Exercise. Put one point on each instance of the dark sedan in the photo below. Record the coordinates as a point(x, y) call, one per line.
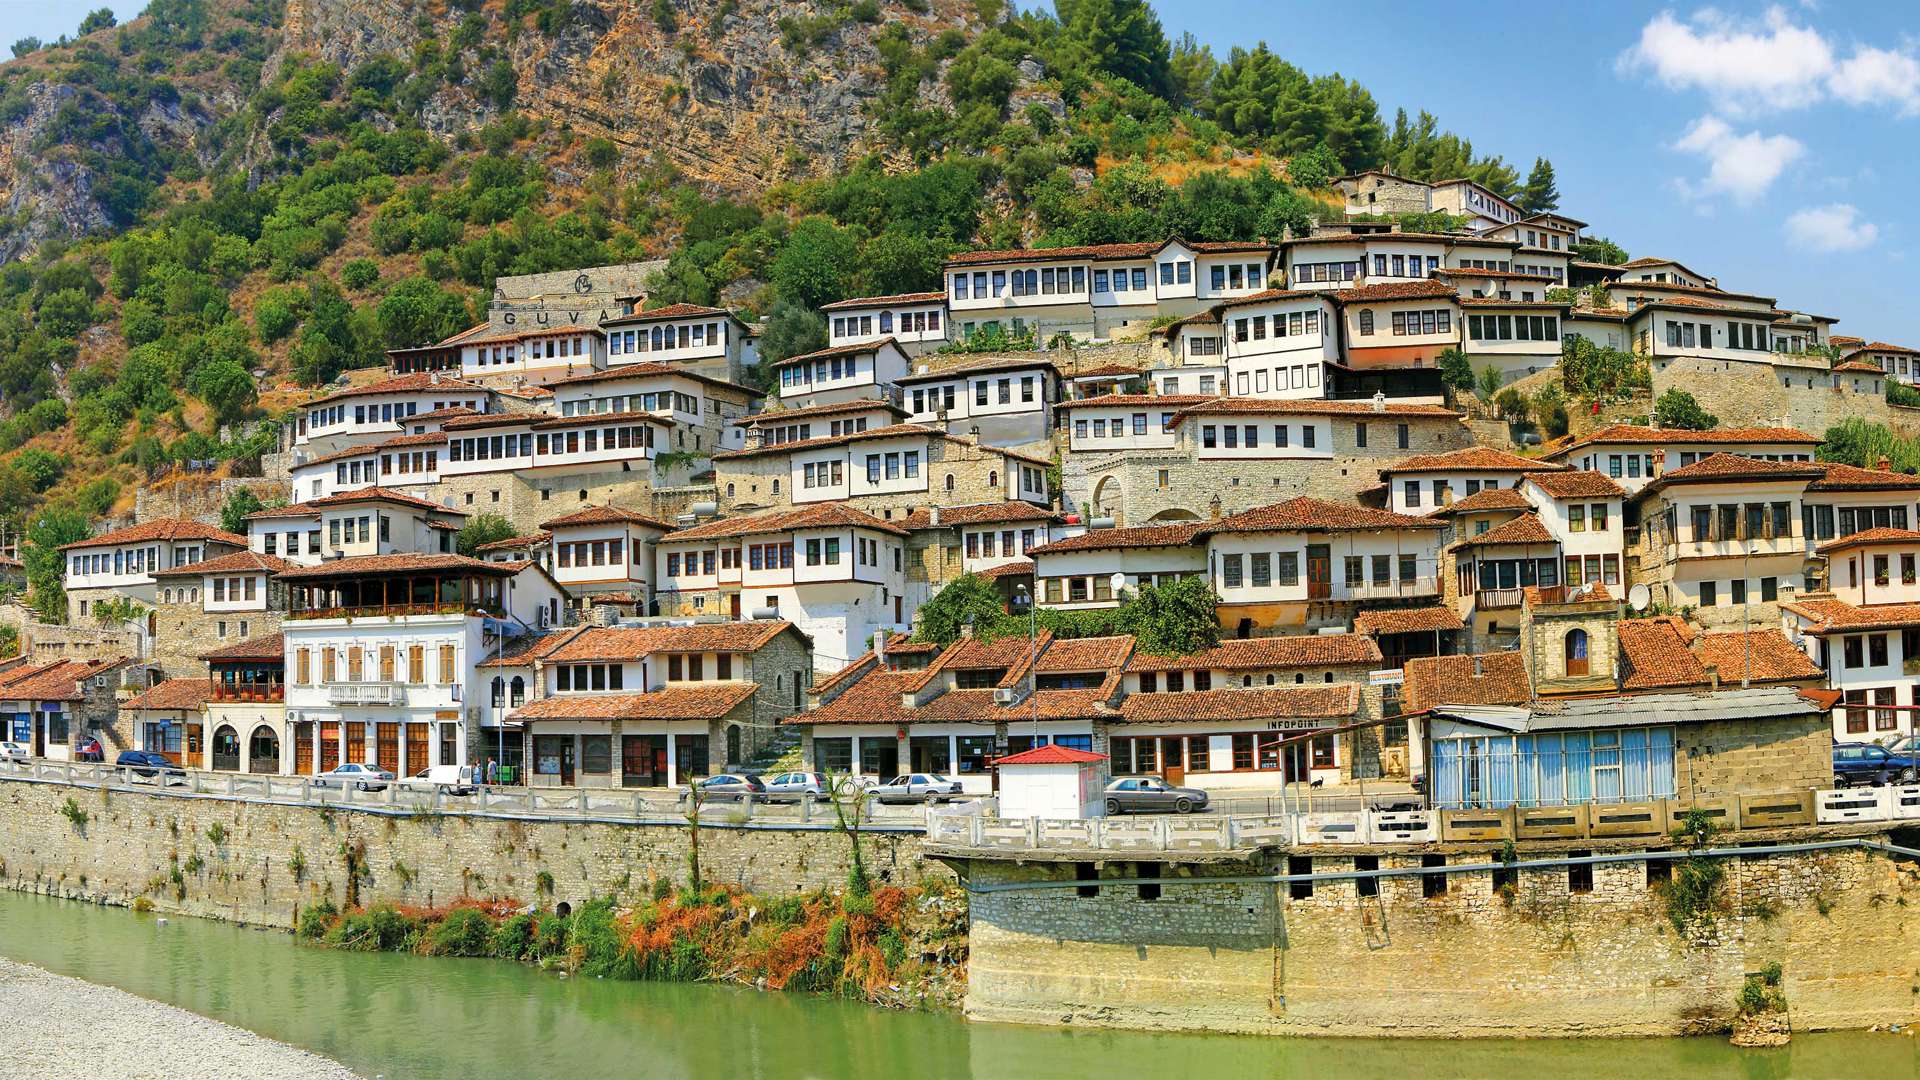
point(146, 765)
point(1147, 794)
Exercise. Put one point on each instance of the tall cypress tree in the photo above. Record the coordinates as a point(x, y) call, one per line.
point(1539, 194)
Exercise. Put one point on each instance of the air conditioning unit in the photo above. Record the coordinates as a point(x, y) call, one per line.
point(1005, 695)
point(543, 618)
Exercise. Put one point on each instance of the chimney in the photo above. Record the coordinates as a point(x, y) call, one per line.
point(933, 516)
point(1479, 667)
point(973, 435)
point(880, 647)
point(755, 436)
point(966, 630)
point(1713, 678)
point(1379, 401)
point(1885, 464)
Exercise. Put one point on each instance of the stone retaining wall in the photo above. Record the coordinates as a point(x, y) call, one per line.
point(270, 860)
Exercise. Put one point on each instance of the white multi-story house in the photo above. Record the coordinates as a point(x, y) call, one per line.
point(408, 462)
point(1866, 633)
point(1722, 536)
point(1337, 260)
point(537, 354)
point(1306, 561)
point(1087, 291)
point(1664, 271)
point(1278, 343)
point(1635, 455)
point(381, 655)
point(1428, 482)
point(1377, 191)
point(841, 373)
point(916, 322)
point(1197, 347)
point(708, 340)
point(891, 468)
point(1009, 401)
point(604, 550)
point(985, 537)
point(707, 412)
point(378, 411)
point(540, 443)
point(1897, 361)
point(836, 573)
point(1116, 422)
point(364, 521)
point(820, 421)
point(1483, 209)
point(1398, 325)
point(1560, 531)
point(121, 564)
point(1849, 500)
point(1517, 337)
point(1095, 568)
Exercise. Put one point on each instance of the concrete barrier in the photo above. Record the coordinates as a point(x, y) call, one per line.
point(1337, 828)
point(1839, 805)
point(1776, 811)
point(1402, 827)
point(1461, 825)
point(1551, 822)
point(1903, 802)
point(1629, 819)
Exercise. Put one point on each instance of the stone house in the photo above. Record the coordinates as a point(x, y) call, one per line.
point(216, 602)
point(120, 565)
point(52, 708)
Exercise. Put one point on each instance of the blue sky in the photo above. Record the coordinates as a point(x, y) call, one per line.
point(1772, 146)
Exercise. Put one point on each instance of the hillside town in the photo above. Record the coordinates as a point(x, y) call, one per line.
point(702, 578)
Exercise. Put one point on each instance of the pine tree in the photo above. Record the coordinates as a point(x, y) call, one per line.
point(1539, 195)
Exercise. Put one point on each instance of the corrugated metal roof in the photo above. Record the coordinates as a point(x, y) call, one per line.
point(1638, 710)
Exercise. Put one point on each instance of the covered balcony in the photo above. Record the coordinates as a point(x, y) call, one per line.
point(249, 682)
point(396, 585)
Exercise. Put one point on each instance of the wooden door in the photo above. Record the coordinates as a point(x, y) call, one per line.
point(418, 738)
point(357, 742)
point(387, 747)
point(733, 603)
point(303, 749)
point(329, 746)
point(1319, 572)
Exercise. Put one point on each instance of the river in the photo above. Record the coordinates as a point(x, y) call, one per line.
point(415, 1018)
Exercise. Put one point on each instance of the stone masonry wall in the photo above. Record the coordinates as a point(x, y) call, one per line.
point(517, 496)
point(1752, 394)
point(272, 860)
point(1727, 758)
point(1553, 954)
point(185, 631)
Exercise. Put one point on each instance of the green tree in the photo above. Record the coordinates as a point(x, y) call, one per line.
point(1455, 369)
point(418, 310)
point(1314, 168)
point(969, 597)
point(1487, 383)
point(98, 19)
point(1678, 409)
point(1599, 249)
point(1177, 618)
point(41, 468)
point(1119, 37)
point(790, 331)
point(1539, 194)
point(46, 564)
point(817, 263)
point(26, 45)
point(483, 529)
point(233, 513)
point(1190, 71)
point(227, 386)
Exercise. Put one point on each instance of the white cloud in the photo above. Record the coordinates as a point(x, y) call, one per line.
point(1835, 227)
point(1747, 67)
point(1742, 166)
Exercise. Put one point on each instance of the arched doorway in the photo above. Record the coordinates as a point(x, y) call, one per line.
point(1173, 514)
point(1107, 499)
point(226, 749)
point(263, 750)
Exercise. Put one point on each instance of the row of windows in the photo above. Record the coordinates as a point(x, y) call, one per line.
point(539, 348)
point(981, 545)
point(834, 367)
point(894, 465)
point(1403, 265)
point(1411, 323)
point(1504, 574)
point(1882, 571)
point(1513, 328)
point(1293, 377)
point(822, 474)
point(1818, 520)
point(1742, 521)
point(1443, 490)
point(1235, 436)
point(1326, 271)
point(237, 589)
point(137, 561)
point(1736, 593)
point(1236, 276)
point(1099, 427)
point(341, 530)
point(662, 338)
point(270, 542)
point(1078, 590)
point(388, 658)
point(592, 553)
point(1249, 752)
point(940, 397)
point(589, 440)
point(910, 322)
point(1285, 324)
point(657, 401)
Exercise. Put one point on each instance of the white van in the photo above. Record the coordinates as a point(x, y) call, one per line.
point(450, 779)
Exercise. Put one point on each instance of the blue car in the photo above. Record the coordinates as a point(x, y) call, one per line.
point(1871, 763)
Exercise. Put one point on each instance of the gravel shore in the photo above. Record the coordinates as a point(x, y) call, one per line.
point(61, 1028)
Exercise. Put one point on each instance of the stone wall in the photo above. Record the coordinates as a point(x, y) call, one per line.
point(200, 496)
point(1745, 756)
point(1555, 953)
point(526, 499)
point(271, 860)
point(186, 630)
point(1751, 394)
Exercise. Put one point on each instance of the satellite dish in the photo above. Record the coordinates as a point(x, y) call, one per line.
point(1586, 589)
point(1639, 597)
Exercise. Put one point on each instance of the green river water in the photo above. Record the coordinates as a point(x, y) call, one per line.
point(414, 1018)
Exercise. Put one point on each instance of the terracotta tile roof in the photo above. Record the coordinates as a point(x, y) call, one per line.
point(977, 367)
point(596, 419)
point(1869, 537)
point(379, 494)
point(888, 432)
point(186, 694)
point(1325, 702)
point(684, 701)
point(979, 514)
point(341, 455)
point(1525, 529)
point(1828, 614)
point(1846, 341)
point(1121, 401)
point(514, 543)
point(831, 351)
point(647, 370)
point(444, 413)
point(1505, 303)
point(403, 384)
point(1108, 371)
point(1406, 621)
point(1633, 433)
point(424, 438)
point(1138, 536)
point(1023, 568)
point(1305, 514)
point(291, 510)
point(1084, 251)
point(606, 515)
point(1634, 287)
point(1860, 366)
point(633, 643)
point(781, 416)
point(1577, 484)
point(881, 301)
point(1270, 296)
point(1484, 500)
point(264, 647)
point(1086, 654)
point(1657, 655)
point(161, 529)
point(822, 516)
point(1471, 459)
point(238, 561)
point(1504, 275)
point(1396, 290)
point(972, 654)
point(874, 698)
point(1841, 477)
point(1690, 303)
point(1592, 592)
point(1255, 654)
point(1498, 678)
point(1716, 468)
point(671, 311)
point(396, 564)
point(524, 652)
point(1882, 347)
point(977, 706)
point(1238, 406)
point(56, 681)
point(1052, 754)
point(1772, 656)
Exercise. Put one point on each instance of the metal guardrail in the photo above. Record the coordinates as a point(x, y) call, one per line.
point(404, 798)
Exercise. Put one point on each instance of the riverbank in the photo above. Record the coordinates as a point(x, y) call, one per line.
point(67, 1028)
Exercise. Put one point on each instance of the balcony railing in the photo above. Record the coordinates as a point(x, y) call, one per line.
point(1418, 585)
point(374, 610)
point(366, 693)
point(249, 694)
point(1491, 599)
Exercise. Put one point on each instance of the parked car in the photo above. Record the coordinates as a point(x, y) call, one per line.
point(89, 750)
point(732, 787)
point(450, 779)
point(1152, 795)
point(355, 774)
point(796, 786)
point(1871, 763)
point(917, 787)
point(15, 752)
point(147, 765)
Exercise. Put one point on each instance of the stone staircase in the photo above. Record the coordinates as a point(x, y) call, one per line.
point(778, 754)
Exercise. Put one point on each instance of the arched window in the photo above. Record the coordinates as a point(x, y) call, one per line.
point(1576, 652)
point(518, 691)
point(949, 481)
point(499, 691)
point(993, 478)
point(776, 485)
point(729, 491)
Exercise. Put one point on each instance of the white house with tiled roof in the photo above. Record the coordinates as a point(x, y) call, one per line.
point(838, 574)
point(1850, 499)
point(121, 564)
point(380, 410)
point(892, 468)
point(1634, 455)
point(982, 537)
point(1658, 270)
point(1424, 483)
point(707, 340)
point(915, 321)
point(1083, 571)
point(841, 373)
point(1116, 422)
point(1278, 343)
point(1869, 652)
point(1398, 324)
point(707, 412)
point(1723, 536)
point(800, 424)
point(1008, 400)
point(538, 354)
point(604, 549)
